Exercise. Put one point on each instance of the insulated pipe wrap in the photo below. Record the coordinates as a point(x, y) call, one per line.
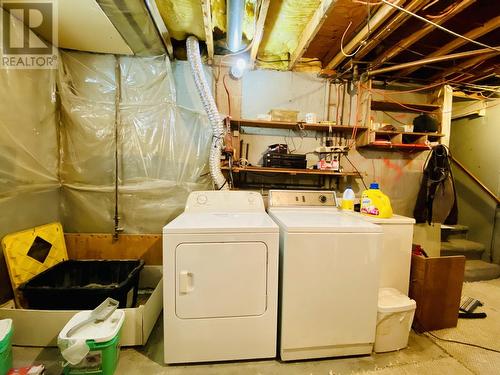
point(194, 58)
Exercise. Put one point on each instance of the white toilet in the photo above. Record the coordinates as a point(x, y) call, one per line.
point(394, 319)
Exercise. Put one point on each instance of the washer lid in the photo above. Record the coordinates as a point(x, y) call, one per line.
point(321, 220)
point(392, 300)
point(216, 222)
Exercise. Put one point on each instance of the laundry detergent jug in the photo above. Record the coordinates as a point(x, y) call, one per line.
point(375, 203)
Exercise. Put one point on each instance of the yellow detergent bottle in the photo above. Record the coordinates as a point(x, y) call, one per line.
point(375, 203)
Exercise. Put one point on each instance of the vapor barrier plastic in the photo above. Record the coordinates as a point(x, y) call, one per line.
point(163, 147)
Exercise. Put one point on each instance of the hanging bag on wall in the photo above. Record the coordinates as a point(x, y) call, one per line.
point(437, 200)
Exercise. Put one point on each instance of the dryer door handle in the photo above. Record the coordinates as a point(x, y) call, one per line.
point(185, 282)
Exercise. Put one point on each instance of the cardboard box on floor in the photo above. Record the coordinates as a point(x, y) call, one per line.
point(41, 327)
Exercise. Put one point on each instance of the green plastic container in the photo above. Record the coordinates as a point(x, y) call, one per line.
point(103, 342)
point(5, 346)
point(102, 358)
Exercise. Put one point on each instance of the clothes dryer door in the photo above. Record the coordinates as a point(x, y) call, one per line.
point(220, 279)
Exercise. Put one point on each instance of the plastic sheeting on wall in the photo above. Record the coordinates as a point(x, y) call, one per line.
point(163, 147)
point(285, 22)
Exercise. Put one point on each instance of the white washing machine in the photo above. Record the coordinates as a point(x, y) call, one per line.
point(329, 270)
point(395, 258)
point(220, 260)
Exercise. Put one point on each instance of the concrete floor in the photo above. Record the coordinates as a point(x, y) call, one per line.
point(422, 356)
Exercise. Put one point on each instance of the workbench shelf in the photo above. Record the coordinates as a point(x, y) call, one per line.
point(290, 171)
point(389, 106)
point(296, 125)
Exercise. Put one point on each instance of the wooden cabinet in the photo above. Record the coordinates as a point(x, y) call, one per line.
point(436, 287)
point(380, 106)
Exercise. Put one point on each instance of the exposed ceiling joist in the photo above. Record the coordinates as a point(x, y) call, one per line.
point(207, 24)
point(463, 66)
point(378, 19)
point(398, 20)
point(311, 30)
point(489, 26)
point(259, 31)
point(160, 26)
point(484, 53)
point(413, 38)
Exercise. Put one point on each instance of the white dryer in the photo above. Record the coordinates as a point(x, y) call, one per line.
point(329, 270)
point(220, 260)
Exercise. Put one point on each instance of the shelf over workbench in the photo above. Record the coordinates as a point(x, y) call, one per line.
point(377, 105)
point(294, 125)
point(291, 171)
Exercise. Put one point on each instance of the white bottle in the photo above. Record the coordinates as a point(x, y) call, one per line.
point(348, 199)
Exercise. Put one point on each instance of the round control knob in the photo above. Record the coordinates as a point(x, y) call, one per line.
point(201, 199)
point(322, 199)
point(251, 199)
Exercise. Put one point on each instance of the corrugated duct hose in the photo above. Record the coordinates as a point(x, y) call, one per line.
point(194, 58)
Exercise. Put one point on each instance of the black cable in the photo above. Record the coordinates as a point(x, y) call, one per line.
point(356, 169)
point(462, 343)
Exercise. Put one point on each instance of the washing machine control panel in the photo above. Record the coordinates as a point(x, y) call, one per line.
point(224, 201)
point(290, 198)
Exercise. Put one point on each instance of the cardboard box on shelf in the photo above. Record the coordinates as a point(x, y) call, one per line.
point(41, 327)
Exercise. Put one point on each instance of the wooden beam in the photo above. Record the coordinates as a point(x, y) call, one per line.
point(311, 30)
point(259, 31)
point(207, 23)
point(415, 37)
point(160, 26)
point(489, 26)
point(389, 28)
point(380, 17)
point(464, 65)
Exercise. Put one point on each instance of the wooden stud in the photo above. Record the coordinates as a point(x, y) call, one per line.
point(489, 26)
point(207, 23)
point(311, 30)
point(415, 37)
point(259, 32)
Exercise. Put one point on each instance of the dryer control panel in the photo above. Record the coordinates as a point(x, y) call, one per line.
point(225, 201)
point(301, 198)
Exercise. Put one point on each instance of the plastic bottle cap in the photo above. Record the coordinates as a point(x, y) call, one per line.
point(374, 185)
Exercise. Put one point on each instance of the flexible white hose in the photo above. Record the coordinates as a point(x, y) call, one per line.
point(194, 58)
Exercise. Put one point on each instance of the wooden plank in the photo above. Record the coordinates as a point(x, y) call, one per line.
point(259, 31)
point(390, 27)
point(207, 24)
point(294, 125)
point(160, 26)
point(102, 246)
point(415, 37)
point(311, 30)
point(290, 171)
point(489, 26)
point(378, 19)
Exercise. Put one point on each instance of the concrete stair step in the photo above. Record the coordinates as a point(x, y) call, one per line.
point(477, 270)
point(461, 246)
point(453, 231)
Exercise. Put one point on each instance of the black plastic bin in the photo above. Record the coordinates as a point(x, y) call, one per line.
point(84, 284)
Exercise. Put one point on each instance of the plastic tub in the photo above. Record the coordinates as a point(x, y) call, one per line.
point(84, 284)
point(5, 346)
point(394, 319)
point(103, 344)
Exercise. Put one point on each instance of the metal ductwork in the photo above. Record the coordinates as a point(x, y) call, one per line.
point(235, 10)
